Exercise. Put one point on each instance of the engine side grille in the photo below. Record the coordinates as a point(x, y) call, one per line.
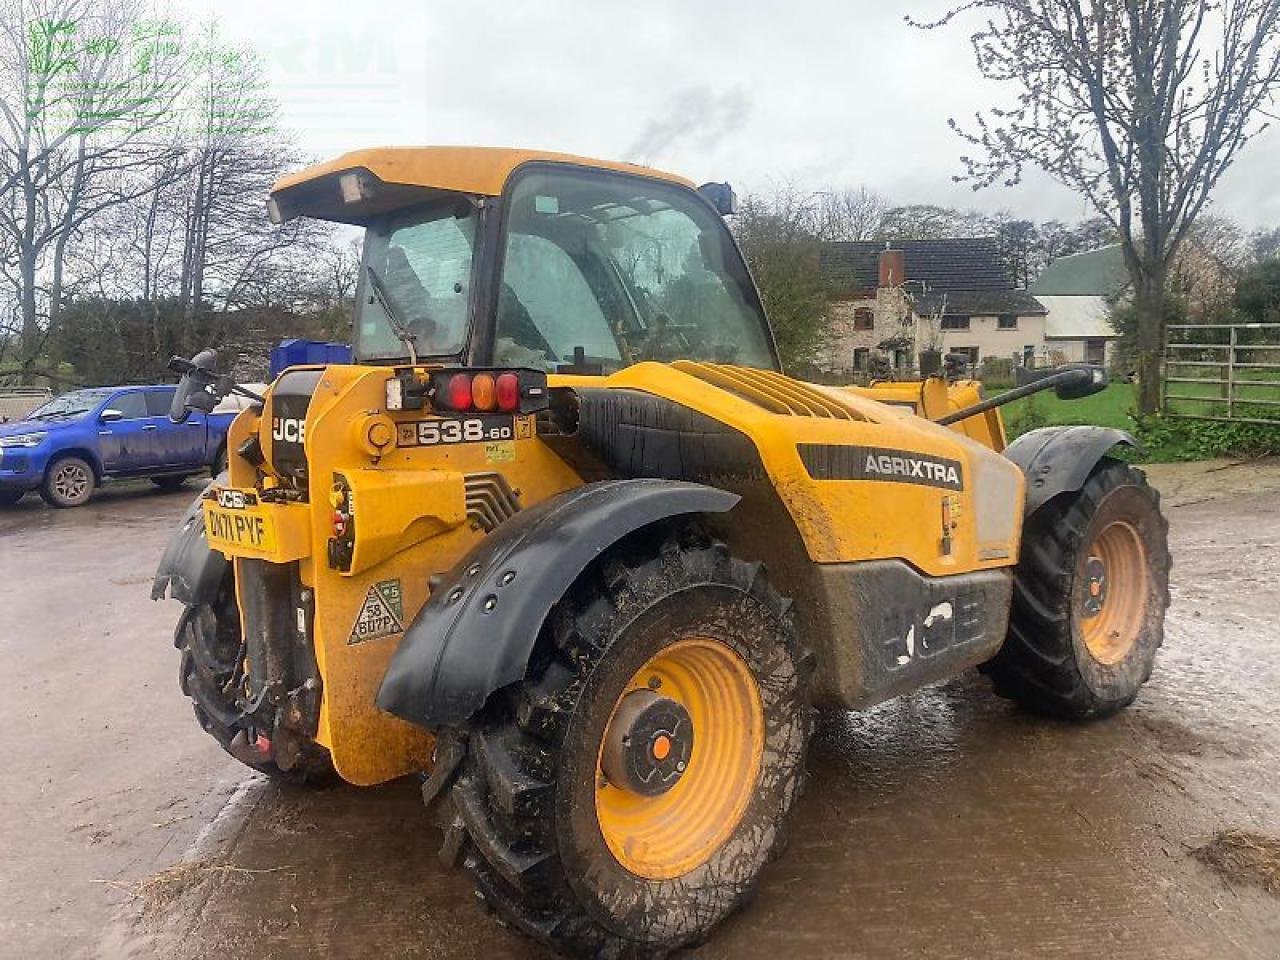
point(772, 391)
point(490, 499)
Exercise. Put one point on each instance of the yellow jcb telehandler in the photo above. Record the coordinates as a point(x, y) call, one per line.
point(519, 547)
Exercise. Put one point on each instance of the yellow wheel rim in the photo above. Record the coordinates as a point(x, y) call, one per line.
point(665, 836)
point(1114, 605)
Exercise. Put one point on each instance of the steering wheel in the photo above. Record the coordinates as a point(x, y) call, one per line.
point(667, 341)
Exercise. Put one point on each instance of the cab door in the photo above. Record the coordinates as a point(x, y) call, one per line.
point(124, 440)
point(176, 444)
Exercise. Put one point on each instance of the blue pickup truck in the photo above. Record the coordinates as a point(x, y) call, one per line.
point(68, 446)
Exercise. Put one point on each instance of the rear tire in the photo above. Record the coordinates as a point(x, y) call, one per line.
point(1090, 592)
point(68, 482)
point(170, 483)
point(209, 638)
point(557, 847)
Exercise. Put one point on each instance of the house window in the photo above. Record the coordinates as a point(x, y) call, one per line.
point(1007, 321)
point(863, 319)
point(1095, 350)
point(955, 323)
point(860, 357)
point(970, 352)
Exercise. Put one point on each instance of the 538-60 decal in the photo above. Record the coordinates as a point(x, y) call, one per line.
point(477, 429)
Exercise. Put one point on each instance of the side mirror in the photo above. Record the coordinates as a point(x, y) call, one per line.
point(721, 197)
point(1091, 379)
point(110, 416)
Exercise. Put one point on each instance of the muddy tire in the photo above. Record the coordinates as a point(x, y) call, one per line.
point(170, 483)
point(68, 482)
point(622, 800)
point(1090, 592)
point(209, 638)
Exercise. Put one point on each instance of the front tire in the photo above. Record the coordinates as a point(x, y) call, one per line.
point(1090, 592)
point(212, 646)
point(68, 482)
point(623, 799)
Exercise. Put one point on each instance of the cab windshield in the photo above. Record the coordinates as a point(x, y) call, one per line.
point(416, 281)
point(602, 271)
point(74, 404)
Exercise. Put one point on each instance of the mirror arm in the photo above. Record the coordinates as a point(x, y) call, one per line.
point(227, 385)
point(1017, 393)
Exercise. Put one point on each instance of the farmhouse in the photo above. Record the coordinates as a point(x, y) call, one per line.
point(894, 300)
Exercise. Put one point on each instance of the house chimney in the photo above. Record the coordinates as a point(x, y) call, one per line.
point(893, 267)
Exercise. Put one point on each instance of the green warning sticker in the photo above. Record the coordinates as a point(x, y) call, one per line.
point(381, 614)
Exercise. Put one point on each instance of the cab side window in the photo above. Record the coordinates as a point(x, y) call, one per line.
point(133, 406)
point(158, 402)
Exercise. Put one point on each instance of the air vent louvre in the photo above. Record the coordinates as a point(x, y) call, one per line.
point(490, 499)
point(770, 390)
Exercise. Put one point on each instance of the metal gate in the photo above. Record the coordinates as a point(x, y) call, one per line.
point(1226, 371)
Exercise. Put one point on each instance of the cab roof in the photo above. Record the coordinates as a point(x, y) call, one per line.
point(364, 183)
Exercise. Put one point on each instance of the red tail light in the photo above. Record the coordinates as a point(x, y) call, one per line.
point(485, 391)
point(508, 389)
point(458, 392)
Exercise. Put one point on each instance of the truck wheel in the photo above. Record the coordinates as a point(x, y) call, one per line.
point(170, 483)
point(212, 646)
point(219, 463)
point(623, 798)
point(68, 482)
point(1090, 592)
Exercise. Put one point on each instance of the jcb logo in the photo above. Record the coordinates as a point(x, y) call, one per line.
point(288, 429)
point(232, 499)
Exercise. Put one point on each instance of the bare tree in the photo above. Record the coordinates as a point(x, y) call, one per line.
point(928, 221)
point(1264, 244)
point(83, 83)
point(1139, 106)
point(849, 214)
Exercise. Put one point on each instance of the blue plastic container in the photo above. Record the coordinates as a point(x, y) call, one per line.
point(294, 352)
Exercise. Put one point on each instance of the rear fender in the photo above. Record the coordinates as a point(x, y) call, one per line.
point(189, 569)
point(476, 632)
point(1059, 459)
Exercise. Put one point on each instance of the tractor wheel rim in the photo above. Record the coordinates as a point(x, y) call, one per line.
point(70, 482)
point(1113, 607)
point(670, 834)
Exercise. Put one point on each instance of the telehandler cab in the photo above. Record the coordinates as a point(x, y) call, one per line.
point(518, 548)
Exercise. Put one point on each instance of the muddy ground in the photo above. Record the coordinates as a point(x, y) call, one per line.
point(945, 824)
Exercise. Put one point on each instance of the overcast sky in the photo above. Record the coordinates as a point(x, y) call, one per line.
point(825, 93)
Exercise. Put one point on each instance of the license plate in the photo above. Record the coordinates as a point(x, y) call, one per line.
point(237, 529)
point(445, 431)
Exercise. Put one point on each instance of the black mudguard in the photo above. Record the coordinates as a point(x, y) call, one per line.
point(1059, 459)
point(476, 632)
point(189, 570)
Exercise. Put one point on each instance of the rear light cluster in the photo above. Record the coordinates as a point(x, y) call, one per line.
point(484, 392)
point(474, 390)
point(489, 391)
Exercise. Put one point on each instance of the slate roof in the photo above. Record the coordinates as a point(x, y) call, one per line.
point(968, 271)
point(968, 303)
point(1098, 273)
